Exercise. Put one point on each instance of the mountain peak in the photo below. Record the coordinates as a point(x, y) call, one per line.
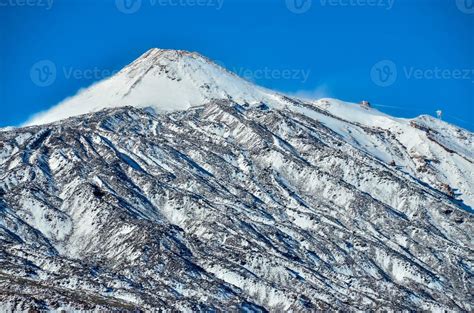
point(170, 54)
point(169, 58)
point(166, 80)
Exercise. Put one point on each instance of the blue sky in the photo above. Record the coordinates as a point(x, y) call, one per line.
point(410, 57)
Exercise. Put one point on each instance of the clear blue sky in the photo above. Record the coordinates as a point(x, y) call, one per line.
point(429, 43)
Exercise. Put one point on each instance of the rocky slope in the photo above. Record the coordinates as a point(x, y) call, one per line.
point(242, 204)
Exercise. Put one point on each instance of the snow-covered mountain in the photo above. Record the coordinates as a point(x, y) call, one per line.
point(166, 80)
point(172, 80)
point(208, 192)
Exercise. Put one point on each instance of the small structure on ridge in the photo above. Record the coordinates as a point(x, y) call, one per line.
point(365, 104)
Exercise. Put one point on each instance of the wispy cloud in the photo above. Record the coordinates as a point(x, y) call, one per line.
point(319, 92)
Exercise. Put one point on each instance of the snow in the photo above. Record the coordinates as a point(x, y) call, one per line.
point(166, 80)
point(349, 120)
point(300, 199)
point(258, 289)
point(174, 80)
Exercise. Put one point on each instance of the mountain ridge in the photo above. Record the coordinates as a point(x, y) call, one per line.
point(173, 80)
point(274, 204)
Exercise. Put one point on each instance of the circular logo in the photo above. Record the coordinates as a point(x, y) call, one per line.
point(384, 73)
point(465, 6)
point(298, 6)
point(43, 73)
point(128, 6)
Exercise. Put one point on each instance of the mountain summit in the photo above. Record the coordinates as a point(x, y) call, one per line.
point(166, 80)
point(229, 197)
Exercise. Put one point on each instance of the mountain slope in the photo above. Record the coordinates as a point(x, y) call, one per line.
point(248, 201)
point(431, 150)
point(437, 153)
point(222, 206)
